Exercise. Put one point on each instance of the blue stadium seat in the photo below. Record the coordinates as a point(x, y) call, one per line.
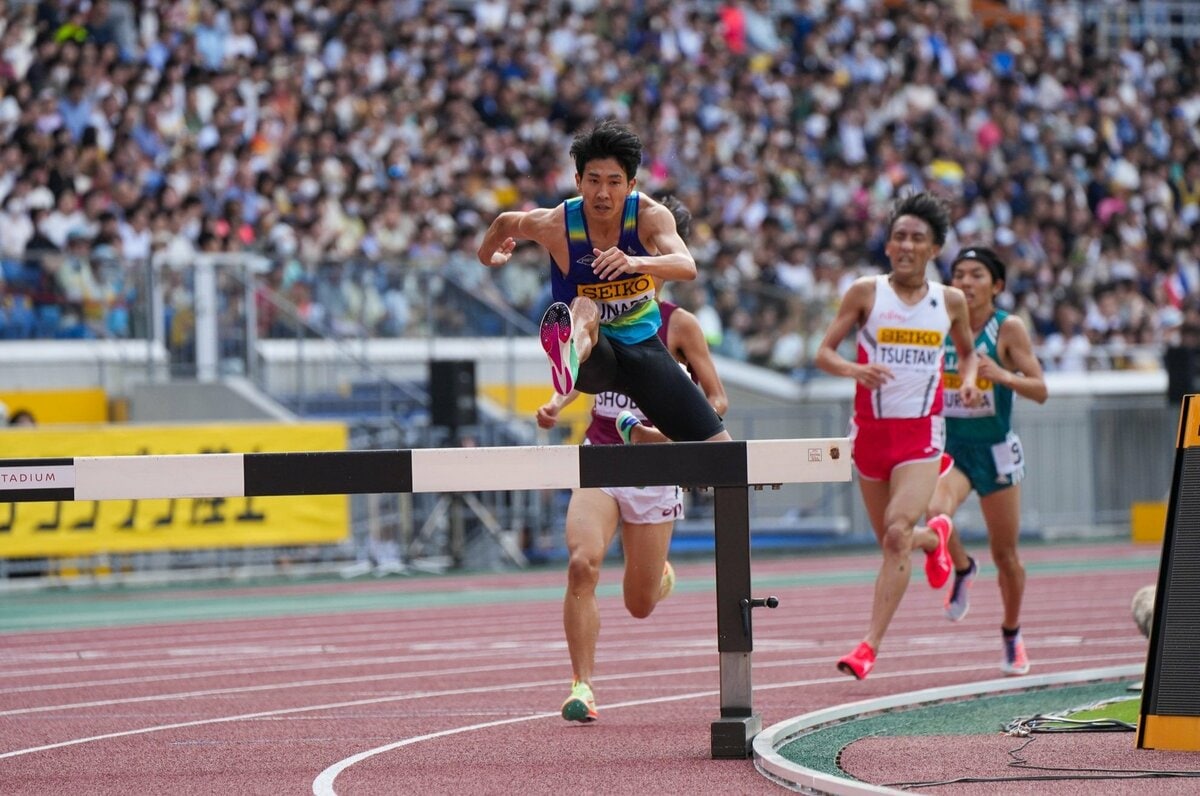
point(49, 317)
point(13, 270)
point(21, 319)
point(21, 277)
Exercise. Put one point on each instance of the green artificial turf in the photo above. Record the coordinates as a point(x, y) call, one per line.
point(819, 749)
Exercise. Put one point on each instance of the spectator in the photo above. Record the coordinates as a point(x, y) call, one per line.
point(22, 417)
point(789, 132)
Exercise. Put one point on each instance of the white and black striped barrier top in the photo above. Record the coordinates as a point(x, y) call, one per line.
point(686, 464)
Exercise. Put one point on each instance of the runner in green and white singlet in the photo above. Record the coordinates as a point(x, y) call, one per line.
point(987, 455)
point(980, 439)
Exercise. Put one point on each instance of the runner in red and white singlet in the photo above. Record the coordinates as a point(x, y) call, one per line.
point(902, 416)
point(897, 432)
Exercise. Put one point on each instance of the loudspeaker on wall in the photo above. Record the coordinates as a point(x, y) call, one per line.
point(452, 393)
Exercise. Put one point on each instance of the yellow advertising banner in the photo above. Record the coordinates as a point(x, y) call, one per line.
point(75, 528)
point(77, 405)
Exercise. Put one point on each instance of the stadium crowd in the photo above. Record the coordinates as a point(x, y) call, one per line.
point(362, 146)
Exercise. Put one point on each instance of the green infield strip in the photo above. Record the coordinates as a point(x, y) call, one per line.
point(981, 715)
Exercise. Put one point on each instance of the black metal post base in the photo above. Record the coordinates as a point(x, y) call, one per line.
point(733, 736)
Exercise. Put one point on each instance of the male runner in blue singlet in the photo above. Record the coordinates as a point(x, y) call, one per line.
point(610, 248)
point(645, 515)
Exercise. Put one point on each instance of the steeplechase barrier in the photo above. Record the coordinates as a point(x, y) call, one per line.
point(731, 469)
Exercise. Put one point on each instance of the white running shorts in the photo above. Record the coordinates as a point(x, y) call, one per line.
point(647, 505)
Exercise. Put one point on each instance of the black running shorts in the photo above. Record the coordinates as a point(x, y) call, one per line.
point(663, 390)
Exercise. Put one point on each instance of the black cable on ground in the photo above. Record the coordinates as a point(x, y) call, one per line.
point(1027, 725)
point(1067, 774)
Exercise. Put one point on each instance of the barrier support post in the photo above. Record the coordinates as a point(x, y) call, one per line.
point(733, 733)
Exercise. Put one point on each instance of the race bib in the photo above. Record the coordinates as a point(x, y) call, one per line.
point(1008, 455)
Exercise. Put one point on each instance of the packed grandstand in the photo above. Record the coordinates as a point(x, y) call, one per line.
point(360, 148)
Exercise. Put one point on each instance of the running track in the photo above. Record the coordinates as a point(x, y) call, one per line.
point(451, 684)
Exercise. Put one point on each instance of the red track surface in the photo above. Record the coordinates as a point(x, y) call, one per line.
point(464, 700)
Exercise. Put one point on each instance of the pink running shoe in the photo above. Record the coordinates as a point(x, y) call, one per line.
point(938, 564)
point(958, 598)
point(1016, 662)
point(559, 344)
point(858, 663)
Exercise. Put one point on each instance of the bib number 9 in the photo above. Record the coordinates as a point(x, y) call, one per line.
point(1008, 455)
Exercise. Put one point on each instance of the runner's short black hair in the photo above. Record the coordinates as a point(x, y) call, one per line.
point(984, 255)
point(927, 207)
point(608, 139)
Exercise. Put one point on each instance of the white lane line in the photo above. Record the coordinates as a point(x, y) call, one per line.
point(266, 714)
point(481, 689)
point(366, 678)
point(17, 647)
point(308, 666)
point(823, 597)
point(323, 784)
point(552, 637)
point(965, 645)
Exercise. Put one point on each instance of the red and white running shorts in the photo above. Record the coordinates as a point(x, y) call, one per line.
point(878, 446)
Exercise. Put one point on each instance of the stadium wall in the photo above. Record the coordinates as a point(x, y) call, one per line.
point(1102, 442)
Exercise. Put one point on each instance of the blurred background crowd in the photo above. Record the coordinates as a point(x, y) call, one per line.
point(362, 146)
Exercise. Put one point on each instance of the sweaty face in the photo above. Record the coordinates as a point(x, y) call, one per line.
point(604, 186)
point(910, 246)
point(975, 281)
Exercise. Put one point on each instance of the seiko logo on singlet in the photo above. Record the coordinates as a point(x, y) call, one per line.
point(921, 337)
point(625, 288)
point(952, 381)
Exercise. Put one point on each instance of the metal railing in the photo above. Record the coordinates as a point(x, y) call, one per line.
point(1080, 450)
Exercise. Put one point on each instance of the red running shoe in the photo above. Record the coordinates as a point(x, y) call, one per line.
point(938, 564)
point(858, 663)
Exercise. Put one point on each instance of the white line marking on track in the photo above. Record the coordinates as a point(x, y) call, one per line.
point(323, 784)
point(261, 715)
point(325, 779)
point(366, 678)
point(964, 645)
